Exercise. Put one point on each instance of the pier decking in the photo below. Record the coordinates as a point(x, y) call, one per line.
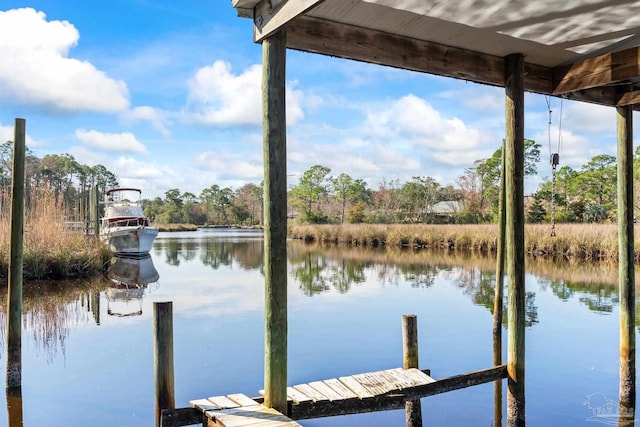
point(238, 410)
point(315, 399)
point(367, 392)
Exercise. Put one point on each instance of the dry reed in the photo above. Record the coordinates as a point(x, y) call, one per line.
point(587, 241)
point(51, 250)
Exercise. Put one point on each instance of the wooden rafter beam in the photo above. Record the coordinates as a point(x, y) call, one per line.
point(271, 15)
point(629, 98)
point(325, 37)
point(346, 41)
point(597, 72)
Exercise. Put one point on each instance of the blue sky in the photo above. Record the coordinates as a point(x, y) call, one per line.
point(166, 95)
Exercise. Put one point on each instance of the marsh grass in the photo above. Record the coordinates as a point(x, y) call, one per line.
point(51, 251)
point(586, 241)
point(176, 227)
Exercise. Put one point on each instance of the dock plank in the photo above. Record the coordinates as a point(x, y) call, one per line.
point(314, 394)
point(203, 405)
point(374, 382)
point(250, 416)
point(407, 378)
point(394, 382)
point(356, 387)
point(341, 389)
point(415, 375)
point(223, 402)
point(242, 399)
point(296, 396)
point(326, 390)
point(402, 381)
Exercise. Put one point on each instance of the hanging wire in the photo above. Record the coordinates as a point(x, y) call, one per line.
point(554, 160)
point(560, 127)
point(549, 122)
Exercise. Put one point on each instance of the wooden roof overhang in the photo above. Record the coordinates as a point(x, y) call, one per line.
point(586, 50)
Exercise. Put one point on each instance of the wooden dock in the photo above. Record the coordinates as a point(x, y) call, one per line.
point(359, 393)
point(367, 392)
point(238, 410)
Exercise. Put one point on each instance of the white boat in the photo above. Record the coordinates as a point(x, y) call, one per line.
point(124, 227)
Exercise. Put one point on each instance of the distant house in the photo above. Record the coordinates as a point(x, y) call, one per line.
point(447, 208)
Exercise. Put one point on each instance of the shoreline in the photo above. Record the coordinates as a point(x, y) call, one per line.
point(584, 241)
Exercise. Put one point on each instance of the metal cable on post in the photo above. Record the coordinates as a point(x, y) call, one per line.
point(554, 160)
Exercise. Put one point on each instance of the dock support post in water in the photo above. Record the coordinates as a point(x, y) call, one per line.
point(413, 408)
point(626, 272)
point(14, 308)
point(514, 162)
point(163, 357)
point(499, 294)
point(275, 220)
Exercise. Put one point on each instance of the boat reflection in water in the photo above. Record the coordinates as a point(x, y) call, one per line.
point(129, 276)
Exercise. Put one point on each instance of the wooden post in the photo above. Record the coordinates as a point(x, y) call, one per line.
point(497, 303)
point(514, 179)
point(409, 341)
point(14, 406)
point(95, 209)
point(163, 357)
point(275, 220)
point(626, 271)
point(82, 215)
point(413, 408)
point(92, 208)
point(14, 308)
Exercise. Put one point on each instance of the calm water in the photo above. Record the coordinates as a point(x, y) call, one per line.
point(88, 351)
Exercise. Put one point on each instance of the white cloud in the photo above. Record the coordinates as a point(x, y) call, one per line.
point(464, 159)
point(111, 141)
point(129, 168)
point(7, 133)
point(588, 118)
point(35, 68)
point(156, 117)
point(219, 97)
point(417, 122)
point(86, 156)
point(224, 165)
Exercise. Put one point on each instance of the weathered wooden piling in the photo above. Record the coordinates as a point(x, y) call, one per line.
point(626, 268)
point(14, 407)
point(94, 206)
point(409, 341)
point(163, 357)
point(275, 220)
point(514, 168)
point(497, 302)
point(413, 408)
point(14, 307)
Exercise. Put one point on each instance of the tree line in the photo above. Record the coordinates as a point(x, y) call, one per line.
point(587, 194)
point(69, 180)
point(584, 195)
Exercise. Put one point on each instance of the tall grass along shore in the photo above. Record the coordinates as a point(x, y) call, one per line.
point(51, 250)
point(587, 241)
